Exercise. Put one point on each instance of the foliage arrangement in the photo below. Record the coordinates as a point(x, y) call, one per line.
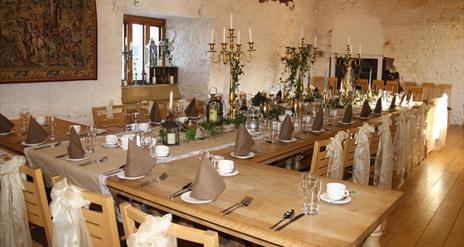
point(161, 134)
point(237, 70)
point(239, 119)
point(275, 111)
point(335, 103)
point(258, 99)
point(190, 134)
point(209, 130)
point(296, 63)
point(167, 48)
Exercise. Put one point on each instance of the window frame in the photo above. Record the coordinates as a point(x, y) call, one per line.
point(147, 22)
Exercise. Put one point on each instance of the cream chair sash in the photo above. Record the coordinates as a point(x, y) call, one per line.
point(109, 110)
point(362, 155)
point(69, 227)
point(412, 157)
point(335, 154)
point(421, 131)
point(14, 227)
point(400, 150)
point(384, 159)
point(153, 232)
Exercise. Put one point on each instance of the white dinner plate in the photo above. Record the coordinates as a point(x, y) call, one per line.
point(86, 156)
point(363, 118)
point(250, 155)
point(122, 175)
point(325, 198)
point(341, 122)
point(31, 144)
point(187, 198)
point(316, 131)
point(230, 174)
point(7, 133)
point(106, 145)
point(288, 141)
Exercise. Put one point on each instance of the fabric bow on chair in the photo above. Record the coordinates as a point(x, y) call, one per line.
point(362, 155)
point(14, 230)
point(400, 151)
point(69, 227)
point(153, 232)
point(335, 154)
point(384, 159)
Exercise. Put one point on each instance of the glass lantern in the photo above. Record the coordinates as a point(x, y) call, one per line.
point(214, 109)
point(171, 130)
point(252, 122)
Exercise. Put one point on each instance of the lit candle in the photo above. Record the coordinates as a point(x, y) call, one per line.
point(231, 21)
point(130, 46)
point(125, 41)
point(224, 35)
point(370, 79)
point(360, 49)
point(171, 96)
point(249, 34)
point(325, 80)
point(301, 33)
point(349, 40)
point(238, 37)
point(212, 35)
point(315, 41)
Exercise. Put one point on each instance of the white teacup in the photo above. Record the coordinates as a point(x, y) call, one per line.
point(144, 127)
point(123, 141)
point(282, 117)
point(225, 166)
point(111, 139)
point(215, 160)
point(76, 127)
point(40, 120)
point(336, 191)
point(161, 151)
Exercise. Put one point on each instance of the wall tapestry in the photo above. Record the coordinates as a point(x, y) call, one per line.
point(48, 40)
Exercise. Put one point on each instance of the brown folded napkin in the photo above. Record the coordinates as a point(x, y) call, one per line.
point(5, 124)
point(208, 184)
point(243, 141)
point(138, 162)
point(191, 110)
point(319, 121)
point(393, 103)
point(75, 150)
point(348, 114)
point(366, 109)
point(378, 106)
point(155, 115)
point(286, 130)
point(35, 133)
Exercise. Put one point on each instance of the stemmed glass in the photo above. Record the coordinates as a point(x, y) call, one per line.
point(311, 186)
point(24, 116)
point(51, 122)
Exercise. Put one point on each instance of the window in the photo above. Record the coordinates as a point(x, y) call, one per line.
point(137, 32)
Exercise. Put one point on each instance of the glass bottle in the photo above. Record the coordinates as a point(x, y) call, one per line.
point(214, 109)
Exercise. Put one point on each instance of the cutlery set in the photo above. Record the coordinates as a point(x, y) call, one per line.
point(157, 180)
point(289, 215)
point(52, 145)
point(244, 203)
point(185, 188)
point(101, 160)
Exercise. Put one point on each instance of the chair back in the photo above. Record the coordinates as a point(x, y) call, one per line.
point(406, 85)
point(349, 147)
point(392, 86)
point(417, 92)
point(318, 81)
point(429, 91)
point(38, 212)
point(100, 218)
point(364, 84)
point(332, 82)
point(377, 85)
point(374, 138)
point(100, 119)
point(320, 161)
point(144, 109)
point(131, 217)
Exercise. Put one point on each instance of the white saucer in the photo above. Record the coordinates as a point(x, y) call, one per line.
point(250, 155)
point(163, 157)
point(121, 175)
point(106, 145)
point(31, 144)
point(187, 198)
point(6, 133)
point(86, 156)
point(341, 122)
point(317, 131)
point(325, 198)
point(230, 174)
point(101, 131)
point(288, 141)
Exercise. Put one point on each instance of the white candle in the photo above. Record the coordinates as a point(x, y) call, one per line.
point(238, 37)
point(212, 35)
point(125, 41)
point(171, 96)
point(301, 33)
point(360, 49)
point(349, 40)
point(231, 21)
point(171, 138)
point(351, 48)
point(315, 41)
point(249, 34)
point(224, 35)
point(130, 46)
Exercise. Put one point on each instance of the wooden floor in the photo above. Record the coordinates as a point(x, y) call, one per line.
point(432, 213)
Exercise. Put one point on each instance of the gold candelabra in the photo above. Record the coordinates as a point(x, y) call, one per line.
point(348, 61)
point(231, 53)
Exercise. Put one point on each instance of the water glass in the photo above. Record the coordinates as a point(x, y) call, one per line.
point(51, 123)
point(146, 142)
point(275, 129)
point(311, 186)
point(24, 116)
point(89, 143)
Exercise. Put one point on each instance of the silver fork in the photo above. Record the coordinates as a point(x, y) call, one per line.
point(157, 180)
point(101, 160)
point(56, 144)
point(244, 203)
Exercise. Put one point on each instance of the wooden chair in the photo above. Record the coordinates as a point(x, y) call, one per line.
point(364, 84)
point(377, 85)
point(332, 82)
point(132, 216)
point(406, 85)
point(349, 147)
point(418, 93)
point(118, 120)
point(319, 161)
point(429, 91)
point(318, 81)
point(392, 86)
point(38, 212)
point(374, 139)
point(100, 218)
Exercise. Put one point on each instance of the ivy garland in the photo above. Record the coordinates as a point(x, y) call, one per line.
point(296, 66)
point(237, 70)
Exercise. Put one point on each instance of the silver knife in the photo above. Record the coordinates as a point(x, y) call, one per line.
point(289, 222)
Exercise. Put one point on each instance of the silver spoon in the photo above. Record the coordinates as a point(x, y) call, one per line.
point(287, 215)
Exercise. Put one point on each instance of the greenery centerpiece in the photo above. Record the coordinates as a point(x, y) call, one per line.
point(297, 64)
point(167, 47)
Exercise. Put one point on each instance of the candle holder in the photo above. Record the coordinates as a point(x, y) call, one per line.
point(127, 54)
point(348, 61)
point(232, 54)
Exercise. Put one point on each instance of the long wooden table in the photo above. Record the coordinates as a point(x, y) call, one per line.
point(274, 190)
